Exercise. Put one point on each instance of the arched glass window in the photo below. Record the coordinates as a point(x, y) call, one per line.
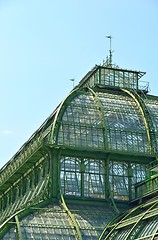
point(82, 177)
point(94, 179)
point(70, 176)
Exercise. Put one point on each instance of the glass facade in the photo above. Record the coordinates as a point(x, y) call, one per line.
point(123, 176)
point(83, 177)
point(87, 178)
point(87, 164)
point(82, 124)
point(118, 78)
point(114, 77)
point(109, 121)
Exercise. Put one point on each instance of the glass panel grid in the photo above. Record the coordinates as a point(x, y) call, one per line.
point(149, 227)
point(82, 177)
point(152, 106)
point(48, 223)
point(91, 219)
point(143, 221)
point(126, 130)
point(120, 188)
point(139, 172)
point(123, 176)
point(81, 124)
point(118, 78)
point(11, 234)
point(94, 179)
point(70, 177)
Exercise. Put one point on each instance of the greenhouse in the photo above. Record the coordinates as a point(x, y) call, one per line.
point(90, 170)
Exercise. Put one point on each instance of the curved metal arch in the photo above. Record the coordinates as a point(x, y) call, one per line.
point(138, 221)
point(86, 161)
point(145, 115)
point(73, 220)
point(31, 197)
point(154, 234)
point(76, 160)
point(28, 198)
point(61, 109)
point(59, 114)
point(100, 107)
point(25, 209)
point(102, 235)
point(98, 103)
point(118, 220)
point(2, 226)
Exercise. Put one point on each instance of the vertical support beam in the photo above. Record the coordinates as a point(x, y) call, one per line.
point(54, 172)
point(82, 170)
point(19, 234)
point(130, 181)
point(137, 82)
point(99, 80)
point(109, 196)
point(107, 183)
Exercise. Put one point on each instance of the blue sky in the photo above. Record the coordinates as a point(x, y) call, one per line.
point(45, 43)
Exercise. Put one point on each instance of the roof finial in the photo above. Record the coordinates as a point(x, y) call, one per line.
point(73, 82)
point(110, 51)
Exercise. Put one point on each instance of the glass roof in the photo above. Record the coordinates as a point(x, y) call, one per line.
point(104, 120)
point(85, 163)
point(53, 222)
point(139, 223)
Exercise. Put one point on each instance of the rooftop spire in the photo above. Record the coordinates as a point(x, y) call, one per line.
point(110, 51)
point(108, 62)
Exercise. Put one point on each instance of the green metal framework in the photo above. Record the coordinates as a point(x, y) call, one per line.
point(139, 223)
point(93, 157)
